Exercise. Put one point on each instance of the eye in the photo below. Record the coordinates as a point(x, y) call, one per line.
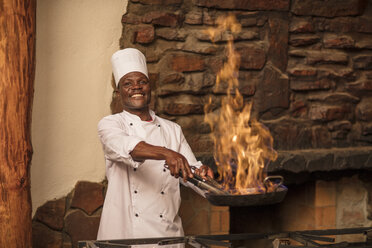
point(127, 84)
point(144, 82)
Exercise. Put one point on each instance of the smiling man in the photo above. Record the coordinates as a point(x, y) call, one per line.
point(143, 197)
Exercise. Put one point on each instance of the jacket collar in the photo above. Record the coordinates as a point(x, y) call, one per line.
point(136, 118)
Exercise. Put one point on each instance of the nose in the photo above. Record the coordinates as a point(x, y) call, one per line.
point(137, 85)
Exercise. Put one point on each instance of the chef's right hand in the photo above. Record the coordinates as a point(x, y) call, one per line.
point(176, 162)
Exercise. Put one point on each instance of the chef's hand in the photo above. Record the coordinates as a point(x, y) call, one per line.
point(204, 171)
point(177, 162)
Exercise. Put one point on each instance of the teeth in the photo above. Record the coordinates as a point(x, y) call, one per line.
point(136, 95)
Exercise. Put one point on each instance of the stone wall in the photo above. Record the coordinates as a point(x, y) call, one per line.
point(307, 66)
point(65, 221)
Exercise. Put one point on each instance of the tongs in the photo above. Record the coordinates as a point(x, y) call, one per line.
point(208, 184)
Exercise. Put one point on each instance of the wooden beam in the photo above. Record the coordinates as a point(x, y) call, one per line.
point(17, 69)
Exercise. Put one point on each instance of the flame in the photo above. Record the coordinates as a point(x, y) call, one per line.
point(242, 145)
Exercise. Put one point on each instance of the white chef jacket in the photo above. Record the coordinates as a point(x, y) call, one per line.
point(142, 198)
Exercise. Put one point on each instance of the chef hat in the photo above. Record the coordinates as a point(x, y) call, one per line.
point(126, 61)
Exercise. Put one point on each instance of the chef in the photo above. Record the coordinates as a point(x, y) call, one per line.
point(143, 197)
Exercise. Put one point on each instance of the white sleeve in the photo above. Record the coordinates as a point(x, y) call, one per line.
point(186, 151)
point(117, 144)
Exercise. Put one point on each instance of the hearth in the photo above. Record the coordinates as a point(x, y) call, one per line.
point(294, 239)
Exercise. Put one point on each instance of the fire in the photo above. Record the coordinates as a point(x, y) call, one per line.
point(242, 145)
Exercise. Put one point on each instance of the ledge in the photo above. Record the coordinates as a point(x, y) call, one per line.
point(315, 160)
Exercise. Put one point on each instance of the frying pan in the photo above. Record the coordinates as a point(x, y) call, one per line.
point(254, 199)
point(218, 196)
point(249, 199)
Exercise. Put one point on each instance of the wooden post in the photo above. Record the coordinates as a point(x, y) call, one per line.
point(17, 69)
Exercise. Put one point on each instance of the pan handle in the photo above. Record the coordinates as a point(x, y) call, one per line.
point(276, 185)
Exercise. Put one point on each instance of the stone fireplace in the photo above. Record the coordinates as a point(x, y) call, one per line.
point(307, 67)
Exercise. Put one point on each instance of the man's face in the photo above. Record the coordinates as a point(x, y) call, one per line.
point(135, 91)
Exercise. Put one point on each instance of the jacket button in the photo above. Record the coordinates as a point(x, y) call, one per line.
point(136, 215)
point(161, 216)
point(134, 169)
point(164, 170)
point(131, 124)
point(159, 125)
point(162, 192)
point(135, 191)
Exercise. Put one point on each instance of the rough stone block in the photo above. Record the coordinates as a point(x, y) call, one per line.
point(327, 113)
point(192, 83)
point(273, 90)
point(162, 19)
point(330, 8)
point(171, 34)
point(327, 57)
point(294, 163)
point(225, 36)
point(338, 41)
point(247, 19)
point(360, 87)
point(278, 41)
point(345, 74)
point(364, 43)
point(187, 63)
point(298, 108)
point(248, 82)
point(337, 97)
point(131, 19)
point(303, 40)
point(339, 125)
point(320, 161)
point(200, 143)
point(173, 78)
point(144, 34)
point(322, 84)
point(193, 46)
point(321, 138)
point(343, 24)
point(350, 191)
point(363, 62)
point(251, 57)
point(289, 135)
point(301, 26)
point(184, 109)
point(364, 110)
point(43, 237)
point(52, 213)
point(194, 18)
point(88, 196)
point(215, 64)
point(81, 227)
point(245, 4)
point(302, 72)
point(367, 129)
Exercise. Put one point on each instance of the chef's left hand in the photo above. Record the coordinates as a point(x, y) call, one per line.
point(204, 171)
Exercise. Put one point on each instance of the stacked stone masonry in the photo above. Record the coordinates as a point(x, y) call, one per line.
point(65, 221)
point(306, 65)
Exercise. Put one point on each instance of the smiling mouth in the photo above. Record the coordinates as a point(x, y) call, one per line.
point(137, 95)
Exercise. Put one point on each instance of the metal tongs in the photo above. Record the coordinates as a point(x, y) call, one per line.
point(208, 184)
